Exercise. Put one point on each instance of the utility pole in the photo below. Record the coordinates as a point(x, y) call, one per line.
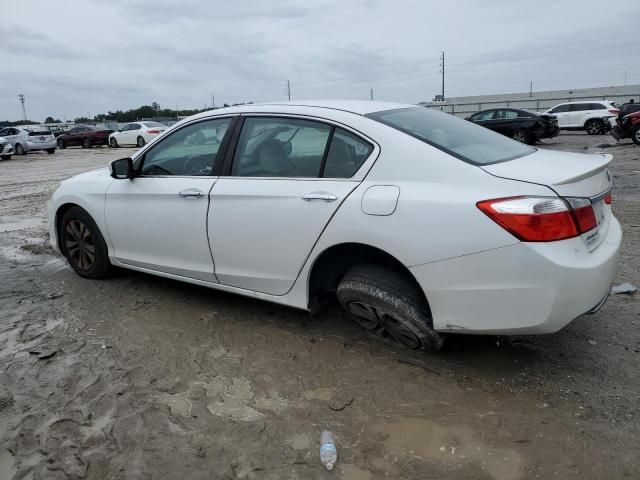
point(371, 94)
point(442, 71)
point(288, 87)
point(530, 88)
point(24, 111)
point(213, 101)
point(625, 77)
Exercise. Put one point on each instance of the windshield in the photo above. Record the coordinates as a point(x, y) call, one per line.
point(460, 138)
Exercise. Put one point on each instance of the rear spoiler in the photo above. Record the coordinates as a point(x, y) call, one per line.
point(606, 160)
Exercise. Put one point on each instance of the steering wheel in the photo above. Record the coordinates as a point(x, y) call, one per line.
point(197, 165)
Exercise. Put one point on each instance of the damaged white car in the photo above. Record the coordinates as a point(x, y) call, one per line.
point(420, 223)
point(6, 149)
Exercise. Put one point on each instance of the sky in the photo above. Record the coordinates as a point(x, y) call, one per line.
point(80, 58)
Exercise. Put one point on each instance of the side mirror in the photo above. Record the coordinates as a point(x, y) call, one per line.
point(122, 168)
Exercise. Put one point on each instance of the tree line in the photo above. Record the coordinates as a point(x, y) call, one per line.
point(145, 111)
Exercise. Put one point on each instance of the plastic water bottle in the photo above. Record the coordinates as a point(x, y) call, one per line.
point(328, 452)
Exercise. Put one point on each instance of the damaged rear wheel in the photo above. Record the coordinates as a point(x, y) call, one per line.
point(388, 304)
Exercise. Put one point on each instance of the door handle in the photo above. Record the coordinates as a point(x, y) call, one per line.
point(322, 196)
point(191, 193)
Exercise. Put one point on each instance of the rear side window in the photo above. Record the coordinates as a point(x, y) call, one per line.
point(579, 107)
point(280, 147)
point(39, 133)
point(506, 114)
point(483, 116)
point(464, 140)
point(346, 155)
point(597, 106)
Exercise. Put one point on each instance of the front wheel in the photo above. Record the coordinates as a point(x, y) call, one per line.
point(83, 244)
point(51, 151)
point(594, 127)
point(389, 304)
point(140, 142)
point(61, 144)
point(86, 143)
point(113, 143)
point(635, 135)
point(20, 149)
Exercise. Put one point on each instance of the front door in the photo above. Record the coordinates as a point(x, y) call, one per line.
point(287, 179)
point(158, 220)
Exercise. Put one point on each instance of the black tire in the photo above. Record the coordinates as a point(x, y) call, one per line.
point(389, 304)
point(19, 149)
point(113, 143)
point(61, 144)
point(140, 142)
point(86, 143)
point(635, 135)
point(51, 151)
point(6, 157)
point(521, 135)
point(82, 243)
point(595, 126)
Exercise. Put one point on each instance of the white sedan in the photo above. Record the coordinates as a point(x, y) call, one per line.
point(419, 222)
point(136, 133)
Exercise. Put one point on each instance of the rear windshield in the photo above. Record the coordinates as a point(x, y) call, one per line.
point(40, 133)
point(460, 138)
point(153, 124)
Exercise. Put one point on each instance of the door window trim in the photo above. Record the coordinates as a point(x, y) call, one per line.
point(217, 166)
point(357, 176)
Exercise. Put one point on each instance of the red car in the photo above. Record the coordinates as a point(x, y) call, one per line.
point(85, 136)
point(628, 127)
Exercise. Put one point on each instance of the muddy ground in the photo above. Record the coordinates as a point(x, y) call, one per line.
point(141, 377)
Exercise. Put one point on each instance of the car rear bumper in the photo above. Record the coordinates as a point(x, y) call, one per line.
point(32, 146)
point(526, 288)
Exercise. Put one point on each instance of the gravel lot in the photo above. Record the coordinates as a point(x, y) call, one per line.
point(141, 377)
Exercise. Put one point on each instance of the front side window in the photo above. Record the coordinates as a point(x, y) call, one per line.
point(280, 147)
point(483, 116)
point(189, 151)
point(455, 136)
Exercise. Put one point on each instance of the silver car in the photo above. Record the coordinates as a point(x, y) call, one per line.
point(29, 139)
point(6, 149)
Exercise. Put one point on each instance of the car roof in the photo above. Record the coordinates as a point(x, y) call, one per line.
point(358, 107)
point(582, 101)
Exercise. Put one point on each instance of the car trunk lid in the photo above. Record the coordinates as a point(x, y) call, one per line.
point(570, 175)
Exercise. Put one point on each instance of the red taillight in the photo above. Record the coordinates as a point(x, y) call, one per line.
point(615, 111)
point(153, 131)
point(608, 198)
point(540, 219)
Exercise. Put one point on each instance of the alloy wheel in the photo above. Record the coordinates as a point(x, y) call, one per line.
point(594, 128)
point(374, 319)
point(79, 244)
point(520, 136)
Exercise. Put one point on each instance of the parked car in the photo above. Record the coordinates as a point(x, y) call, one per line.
point(420, 223)
point(628, 127)
point(30, 139)
point(85, 136)
point(521, 125)
point(591, 116)
point(136, 133)
point(6, 149)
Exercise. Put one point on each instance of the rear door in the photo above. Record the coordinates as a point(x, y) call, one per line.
point(287, 178)
point(505, 121)
point(484, 119)
point(158, 220)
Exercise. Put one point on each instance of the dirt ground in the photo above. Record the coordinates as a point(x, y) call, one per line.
point(140, 377)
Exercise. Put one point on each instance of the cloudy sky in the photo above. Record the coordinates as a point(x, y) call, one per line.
point(72, 58)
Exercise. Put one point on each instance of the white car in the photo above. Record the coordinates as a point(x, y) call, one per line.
point(136, 133)
point(29, 139)
point(422, 223)
point(592, 116)
point(6, 149)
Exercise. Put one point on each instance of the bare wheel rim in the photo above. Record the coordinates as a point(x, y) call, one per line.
point(374, 319)
point(519, 136)
point(637, 135)
point(79, 244)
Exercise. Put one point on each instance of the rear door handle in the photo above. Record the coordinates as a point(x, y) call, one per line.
point(322, 196)
point(191, 193)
